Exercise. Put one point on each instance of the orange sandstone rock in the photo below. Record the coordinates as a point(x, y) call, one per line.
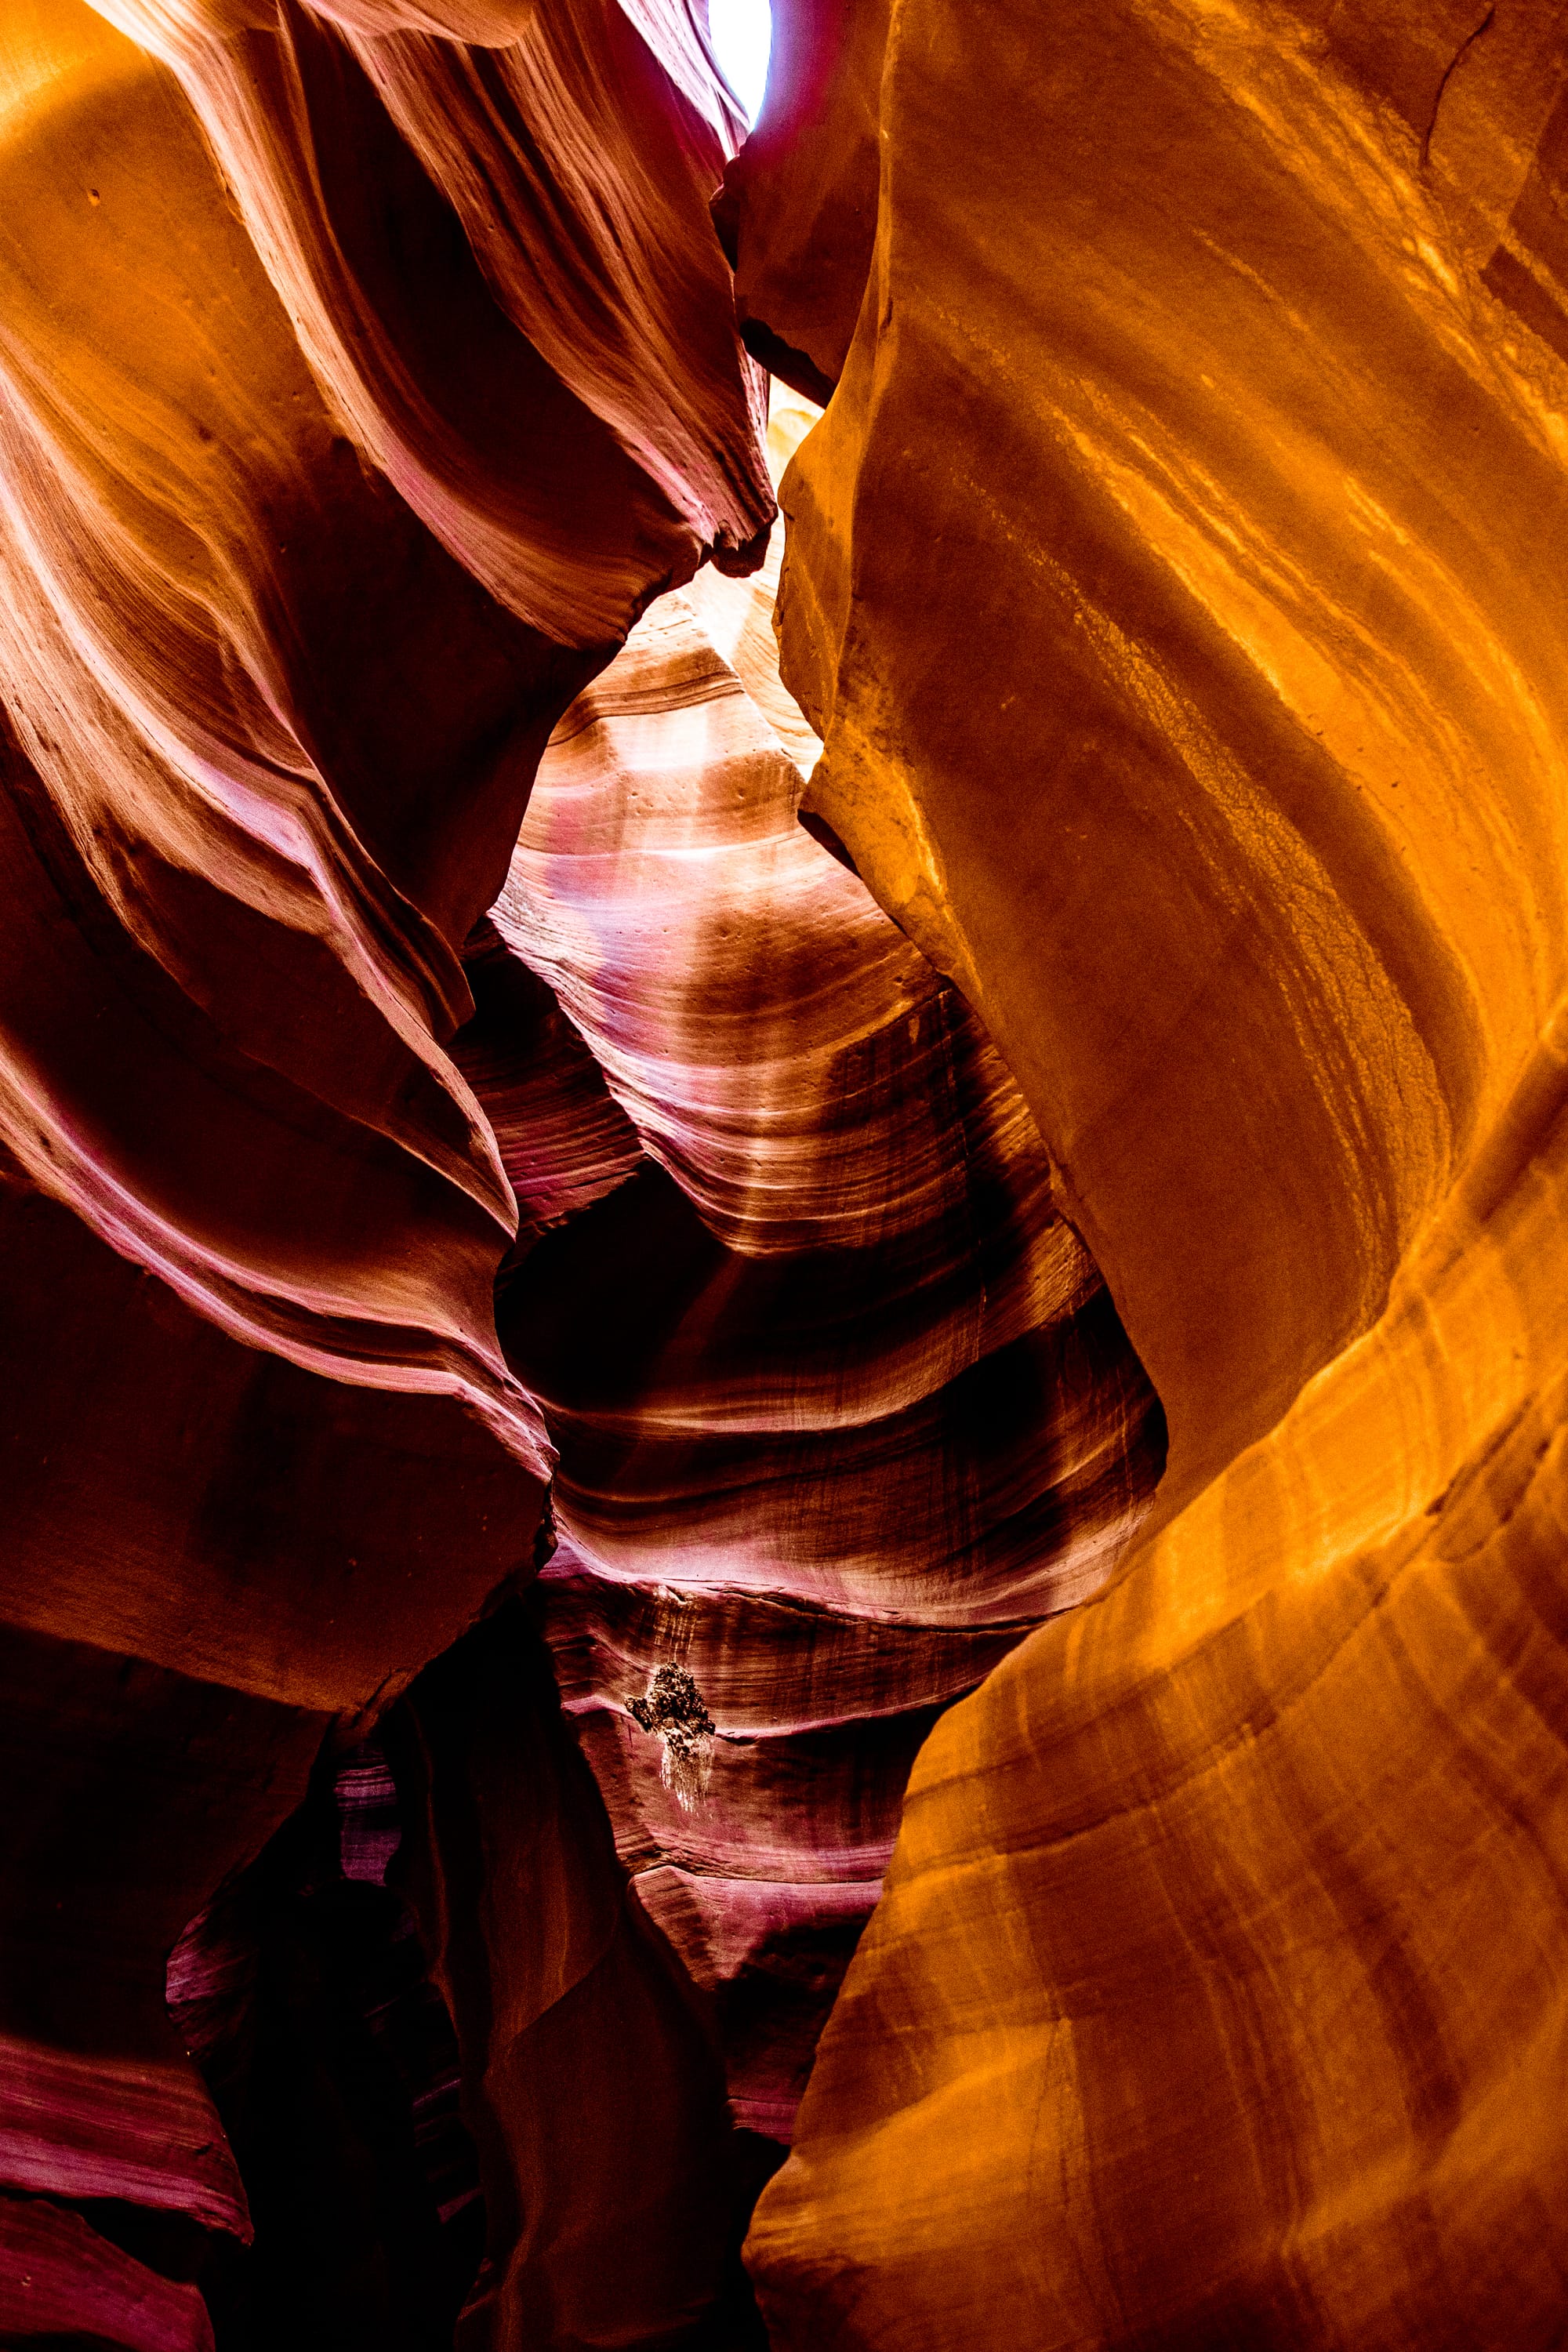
point(841, 1404)
point(1172, 580)
point(1181, 438)
point(304, 546)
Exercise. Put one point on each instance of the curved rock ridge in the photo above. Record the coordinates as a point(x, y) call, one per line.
point(266, 738)
point(841, 1404)
point(1172, 580)
point(265, 781)
point(1198, 385)
point(61, 2281)
point(531, 336)
point(1288, 1806)
point(563, 1139)
point(797, 210)
point(224, 824)
point(266, 742)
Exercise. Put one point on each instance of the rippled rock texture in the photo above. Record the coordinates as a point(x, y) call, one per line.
point(842, 1405)
point(1172, 581)
point(306, 543)
point(365, 375)
point(605, 1249)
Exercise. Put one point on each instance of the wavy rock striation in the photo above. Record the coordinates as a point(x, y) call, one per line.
point(364, 373)
point(458, 1037)
point(1214, 409)
point(306, 542)
point(841, 1404)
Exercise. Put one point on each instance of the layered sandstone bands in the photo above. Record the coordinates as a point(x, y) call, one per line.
point(365, 375)
point(1212, 1993)
point(305, 548)
point(1178, 892)
point(842, 1407)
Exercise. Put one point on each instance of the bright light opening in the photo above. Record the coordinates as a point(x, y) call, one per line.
point(742, 35)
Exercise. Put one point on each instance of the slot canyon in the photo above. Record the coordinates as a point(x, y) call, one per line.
point(784, 1158)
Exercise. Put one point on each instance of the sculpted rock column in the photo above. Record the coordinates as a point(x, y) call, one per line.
point(1180, 663)
point(305, 543)
point(1172, 579)
point(842, 1405)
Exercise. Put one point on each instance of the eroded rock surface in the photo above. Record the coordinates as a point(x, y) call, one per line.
point(305, 545)
point(1170, 580)
point(469, 1027)
point(842, 1405)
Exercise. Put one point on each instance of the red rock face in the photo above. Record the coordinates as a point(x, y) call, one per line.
point(1208, 1999)
point(365, 375)
point(587, 1626)
point(841, 1404)
point(306, 545)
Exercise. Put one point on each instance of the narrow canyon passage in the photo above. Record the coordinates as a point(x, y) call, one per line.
point(783, 1542)
point(842, 1411)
